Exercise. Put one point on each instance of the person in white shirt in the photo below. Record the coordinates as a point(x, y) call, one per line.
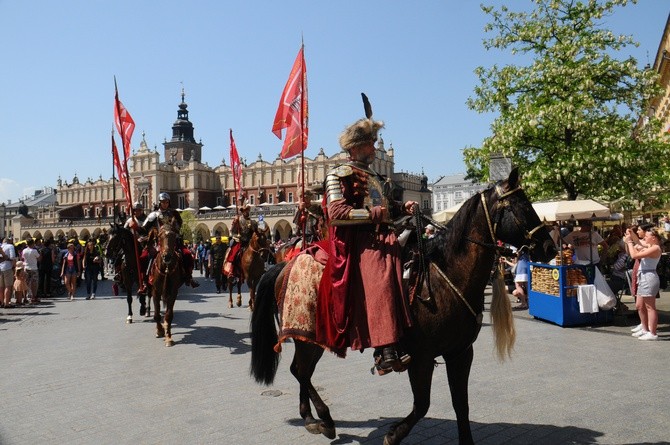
point(7, 260)
point(31, 257)
point(585, 241)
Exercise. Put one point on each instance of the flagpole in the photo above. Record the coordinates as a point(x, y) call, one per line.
point(302, 141)
point(114, 212)
point(140, 277)
point(129, 198)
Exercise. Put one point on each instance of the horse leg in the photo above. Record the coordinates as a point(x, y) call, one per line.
point(239, 292)
point(169, 314)
point(160, 332)
point(129, 300)
point(143, 304)
point(230, 293)
point(420, 377)
point(149, 298)
point(304, 362)
point(252, 295)
point(458, 372)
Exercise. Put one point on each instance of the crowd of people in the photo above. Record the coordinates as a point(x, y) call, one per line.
point(630, 257)
point(30, 269)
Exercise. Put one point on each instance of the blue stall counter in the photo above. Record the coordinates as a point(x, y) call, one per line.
point(552, 294)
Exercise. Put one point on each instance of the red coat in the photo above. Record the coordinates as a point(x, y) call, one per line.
point(361, 302)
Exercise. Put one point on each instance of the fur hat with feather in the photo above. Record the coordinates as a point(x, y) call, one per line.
point(363, 131)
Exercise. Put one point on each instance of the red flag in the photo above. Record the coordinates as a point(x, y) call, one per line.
point(125, 124)
point(292, 112)
point(123, 174)
point(235, 164)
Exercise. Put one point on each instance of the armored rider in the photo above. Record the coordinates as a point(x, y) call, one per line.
point(366, 304)
point(242, 228)
point(159, 217)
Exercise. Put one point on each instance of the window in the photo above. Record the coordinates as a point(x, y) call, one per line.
point(252, 200)
point(271, 199)
point(290, 197)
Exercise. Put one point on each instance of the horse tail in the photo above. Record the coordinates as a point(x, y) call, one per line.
point(264, 359)
point(504, 332)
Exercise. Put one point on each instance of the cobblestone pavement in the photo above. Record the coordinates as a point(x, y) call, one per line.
point(76, 373)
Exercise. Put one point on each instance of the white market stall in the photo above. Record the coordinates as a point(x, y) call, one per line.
point(557, 292)
point(566, 210)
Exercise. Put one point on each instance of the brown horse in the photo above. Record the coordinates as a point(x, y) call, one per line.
point(121, 246)
point(253, 263)
point(166, 278)
point(447, 314)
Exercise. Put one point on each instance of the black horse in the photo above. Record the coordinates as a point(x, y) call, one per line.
point(447, 316)
point(121, 246)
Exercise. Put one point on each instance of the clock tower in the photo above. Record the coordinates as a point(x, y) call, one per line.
point(182, 148)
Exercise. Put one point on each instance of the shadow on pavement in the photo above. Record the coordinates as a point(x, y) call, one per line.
point(493, 433)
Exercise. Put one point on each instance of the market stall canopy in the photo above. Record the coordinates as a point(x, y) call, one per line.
point(204, 209)
point(566, 210)
point(446, 214)
point(189, 209)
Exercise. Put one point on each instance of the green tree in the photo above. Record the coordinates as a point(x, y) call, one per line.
point(188, 223)
point(570, 117)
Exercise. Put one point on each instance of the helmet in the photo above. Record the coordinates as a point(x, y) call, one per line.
point(163, 196)
point(138, 206)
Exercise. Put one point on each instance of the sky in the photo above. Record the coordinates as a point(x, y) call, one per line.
point(414, 60)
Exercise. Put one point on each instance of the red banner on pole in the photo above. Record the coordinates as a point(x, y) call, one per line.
point(235, 164)
point(123, 174)
point(125, 124)
point(292, 112)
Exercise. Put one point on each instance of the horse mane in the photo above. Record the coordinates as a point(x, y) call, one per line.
point(453, 239)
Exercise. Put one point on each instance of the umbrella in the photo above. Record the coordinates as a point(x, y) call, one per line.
point(179, 210)
point(205, 209)
point(447, 214)
point(219, 208)
point(232, 206)
point(189, 209)
point(565, 210)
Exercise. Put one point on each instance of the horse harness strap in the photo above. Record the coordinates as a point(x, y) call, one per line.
point(454, 288)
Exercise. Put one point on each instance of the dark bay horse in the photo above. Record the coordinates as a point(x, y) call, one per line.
point(122, 242)
point(447, 315)
point(166, 277)
point(253, 263)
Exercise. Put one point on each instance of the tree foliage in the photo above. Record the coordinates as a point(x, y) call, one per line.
point(187, 225)
point(570, 117)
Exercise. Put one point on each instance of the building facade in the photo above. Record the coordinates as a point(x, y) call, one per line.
point(451, 190)
point(272, 188)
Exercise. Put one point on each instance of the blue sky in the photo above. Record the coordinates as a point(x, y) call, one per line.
point(414, 60)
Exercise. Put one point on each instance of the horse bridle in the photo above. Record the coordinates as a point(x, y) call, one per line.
point(501, 204)
point(493, 226)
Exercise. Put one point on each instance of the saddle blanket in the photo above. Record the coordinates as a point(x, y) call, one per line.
point(297, 297)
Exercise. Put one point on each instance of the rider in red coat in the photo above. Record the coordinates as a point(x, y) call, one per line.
point(366, 303)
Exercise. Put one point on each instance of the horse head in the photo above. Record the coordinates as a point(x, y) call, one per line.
point(513, 219)
point(115, 240)
point(167, 243)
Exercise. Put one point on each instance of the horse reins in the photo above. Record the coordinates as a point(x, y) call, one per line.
point(493, 226)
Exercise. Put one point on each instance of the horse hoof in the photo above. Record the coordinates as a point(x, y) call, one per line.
point(239, 300)
point(329, 432)
point(313, 427)
point(129, 319)
point(143, 310)
point(169, 343)
point(230, 304)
